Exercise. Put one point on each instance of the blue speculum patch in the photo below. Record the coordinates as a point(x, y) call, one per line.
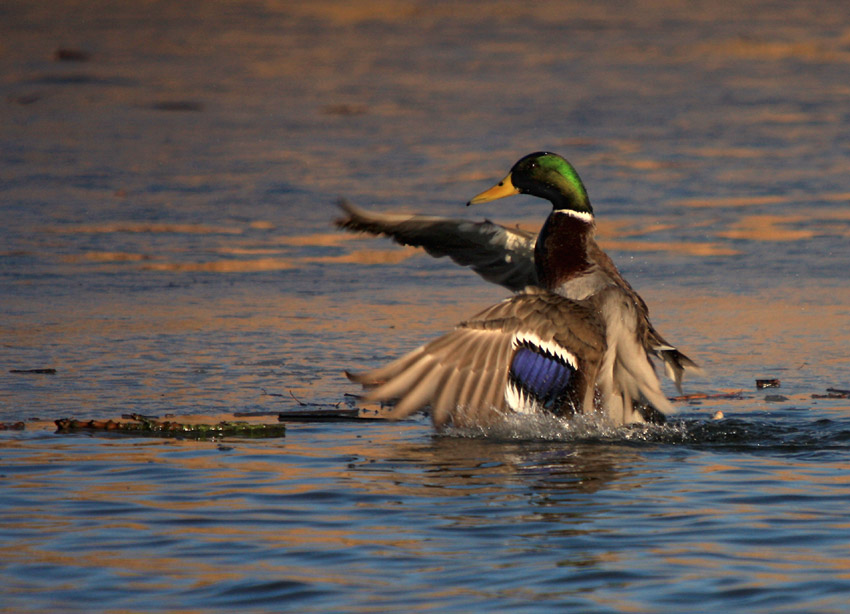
point(541, 375)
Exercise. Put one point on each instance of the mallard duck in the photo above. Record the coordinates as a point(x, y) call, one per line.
point(506, 256)
point(575, 339)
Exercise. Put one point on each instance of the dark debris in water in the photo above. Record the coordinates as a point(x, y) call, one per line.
point(344, 110)
point(177, 106)
point(833, 393)
point(68, 54)
point(330, 415)
point(775, 398)
point(78, 79)
point(34, 371)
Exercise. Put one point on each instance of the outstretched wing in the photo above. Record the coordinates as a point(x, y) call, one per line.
point(501, 255)
point(534, 351)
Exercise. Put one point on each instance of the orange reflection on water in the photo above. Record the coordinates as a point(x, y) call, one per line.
point(632, 234)
point(145, 227)
point(105, 257)
point(768, 199)
point(782, 227)
point(731, 201)
point(223, 266)
point(680, 247)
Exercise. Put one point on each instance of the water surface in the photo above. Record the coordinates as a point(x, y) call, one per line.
point(166, 198)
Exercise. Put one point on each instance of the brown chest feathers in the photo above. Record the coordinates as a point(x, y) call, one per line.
point(561, 250)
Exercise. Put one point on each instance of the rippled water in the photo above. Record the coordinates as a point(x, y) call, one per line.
point(166, 247)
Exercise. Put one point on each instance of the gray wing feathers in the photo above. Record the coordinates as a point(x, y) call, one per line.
point(452, 372)
point(501, 255)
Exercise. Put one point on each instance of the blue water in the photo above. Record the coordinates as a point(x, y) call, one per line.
point(166, 247)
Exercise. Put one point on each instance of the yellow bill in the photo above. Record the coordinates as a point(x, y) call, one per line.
point(504, 188)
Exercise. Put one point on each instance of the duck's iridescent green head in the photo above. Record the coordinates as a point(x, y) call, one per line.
point(542, 174)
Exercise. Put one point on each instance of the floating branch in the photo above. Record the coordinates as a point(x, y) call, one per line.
point(173, 429)
point(300, 402)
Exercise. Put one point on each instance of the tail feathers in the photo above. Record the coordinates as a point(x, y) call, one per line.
point(676, 364)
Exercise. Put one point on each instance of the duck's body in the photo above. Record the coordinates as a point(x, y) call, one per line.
point(564, 267)
point(569, 290)
point(506, 256)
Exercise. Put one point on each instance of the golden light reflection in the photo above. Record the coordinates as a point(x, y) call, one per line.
point(370, 256)
point(612, 233)
point(744, 47)
point(632, 234)
point(689, 248)
point(767, 199)
point(144, 227)
point(776, 227)
point(319, 239)
point(731, 201)
point(223, 266)
point(105, 257)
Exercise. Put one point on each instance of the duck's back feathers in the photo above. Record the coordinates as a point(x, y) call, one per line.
point(534, 351)
point(501, 255)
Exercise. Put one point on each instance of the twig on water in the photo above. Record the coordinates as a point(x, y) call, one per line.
point(700, 396)
point(297, 400)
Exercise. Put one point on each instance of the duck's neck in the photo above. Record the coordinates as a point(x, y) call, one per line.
point(560, 253)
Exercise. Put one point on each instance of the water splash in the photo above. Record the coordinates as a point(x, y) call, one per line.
point(757, 434)
point(543, 426)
